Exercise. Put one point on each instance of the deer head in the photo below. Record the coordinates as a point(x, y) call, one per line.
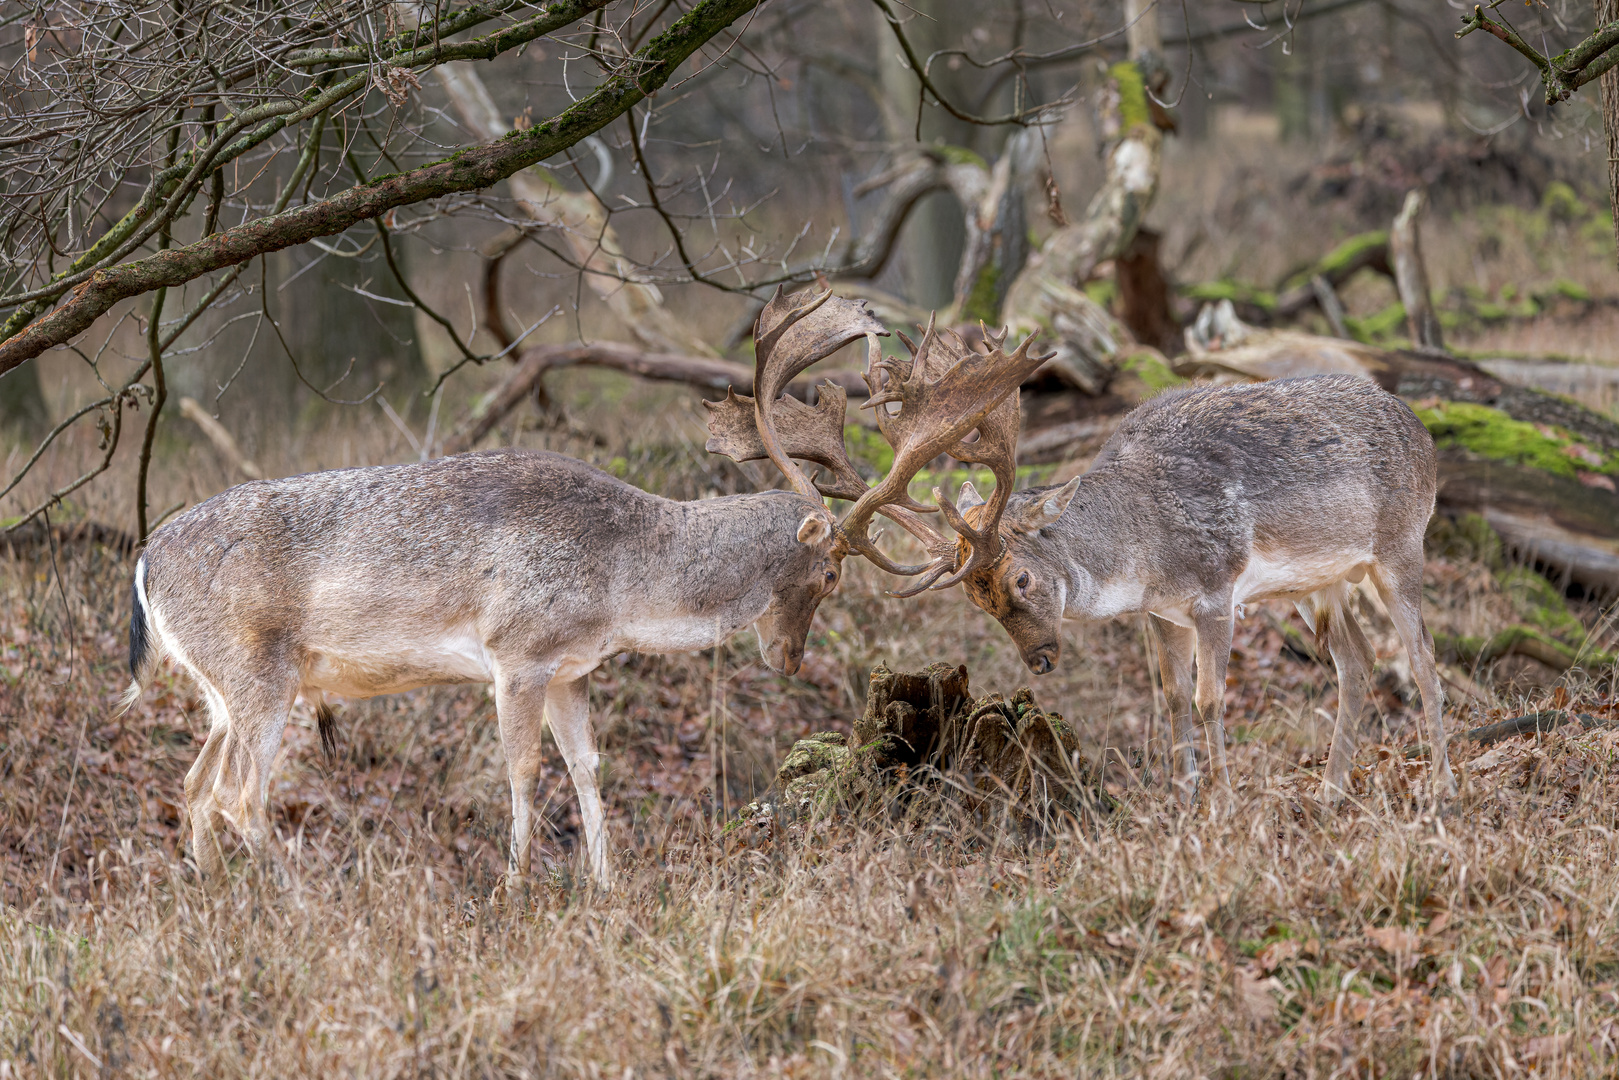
point(926, 405)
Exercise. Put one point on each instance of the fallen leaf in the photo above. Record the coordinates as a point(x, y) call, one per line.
point(1254, 996)
point(1544, 1046)
point(1395, 939)
point(1278, 952)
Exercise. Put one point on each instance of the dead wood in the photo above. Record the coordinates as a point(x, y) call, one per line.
point(706, 373)
point(925, 730)
point(34, 537)
point(1144, 295)
point(224, 442)
point(1411, 274)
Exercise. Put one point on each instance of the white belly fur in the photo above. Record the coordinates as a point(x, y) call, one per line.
point(391, 666)
point(1272, 578)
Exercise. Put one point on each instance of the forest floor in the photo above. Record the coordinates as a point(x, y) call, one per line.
point(1261, 934)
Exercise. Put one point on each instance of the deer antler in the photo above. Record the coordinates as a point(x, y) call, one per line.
point(791, 334)
point(944, 392)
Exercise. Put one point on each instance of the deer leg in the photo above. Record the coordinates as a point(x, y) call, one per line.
point(1176, 645)
point(231, 777)
point(1213, 656)
point(567, 707)
point(204, 816)
point(1399, 583)
point(520, 699)
point(1353, 657)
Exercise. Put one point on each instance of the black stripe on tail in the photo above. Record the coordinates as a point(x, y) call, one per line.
point(326, 720)
point(140, 644)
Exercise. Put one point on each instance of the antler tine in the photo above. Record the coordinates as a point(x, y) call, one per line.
point(791, 334)
point(947, 392)
point(997, 448)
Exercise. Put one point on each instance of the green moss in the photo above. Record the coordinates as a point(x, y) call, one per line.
point(1540, 604)
point(1238, 292)
point(1493, 434)
point(1151, 370)
point(959, 155)
point(1566, 289)
point(1133, 108)
point(1102, 291)
point(1561, 202)
point(1377, 327)
point(1352, 249)
point(1345, 254)
point(824, 750)
point(983, 301)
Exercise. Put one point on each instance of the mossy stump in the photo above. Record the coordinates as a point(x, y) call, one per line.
point(920, 728)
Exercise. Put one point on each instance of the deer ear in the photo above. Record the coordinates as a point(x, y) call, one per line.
point(814, 529)
point(969, 497)
point(1050, 507)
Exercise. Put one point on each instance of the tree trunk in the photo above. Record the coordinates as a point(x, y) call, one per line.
point(1144, 300)
point(1607, 11)
point(1411, 274)
point(23, 415)
point(581, 223)
point(934, 235)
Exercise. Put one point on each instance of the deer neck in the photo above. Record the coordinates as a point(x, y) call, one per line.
point(709, 569)
point(1095, 544)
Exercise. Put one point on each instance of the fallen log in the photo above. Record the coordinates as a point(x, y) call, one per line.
point(33, 535)
point(706, 373)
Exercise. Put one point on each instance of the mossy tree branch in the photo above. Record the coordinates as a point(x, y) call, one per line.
point(642, 75)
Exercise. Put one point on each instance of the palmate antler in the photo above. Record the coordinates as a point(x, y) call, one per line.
point(944, 392)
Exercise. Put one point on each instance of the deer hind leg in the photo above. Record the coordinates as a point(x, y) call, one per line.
point(1399, 583)
point(230, 779)
point(1176, 646)
point(204, 815)
point(1213, 656)
point(1352, 656)
point(567, 707)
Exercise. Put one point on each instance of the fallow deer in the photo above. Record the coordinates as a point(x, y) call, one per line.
point(1206, 500)
point(517, 568)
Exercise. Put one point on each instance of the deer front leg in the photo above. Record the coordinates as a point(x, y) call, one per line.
point(1176, 645)
point(567, 707)
point(520, 697)
point(1213, 655)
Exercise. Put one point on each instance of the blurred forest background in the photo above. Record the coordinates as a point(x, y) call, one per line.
point(795, 155)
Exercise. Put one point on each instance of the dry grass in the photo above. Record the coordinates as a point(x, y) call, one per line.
point(1269, 938)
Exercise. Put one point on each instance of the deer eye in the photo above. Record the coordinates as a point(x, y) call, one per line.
point(831, 576)
point(1023, 581)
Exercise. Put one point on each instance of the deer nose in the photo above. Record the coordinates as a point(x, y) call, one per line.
point(1040, 663)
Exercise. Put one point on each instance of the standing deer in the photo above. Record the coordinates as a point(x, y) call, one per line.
point(521, 569)
point(1204, 501)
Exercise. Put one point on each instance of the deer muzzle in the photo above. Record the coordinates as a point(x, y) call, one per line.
point(1043, 658)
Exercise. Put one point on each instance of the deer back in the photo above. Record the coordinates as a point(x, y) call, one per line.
point(508, 548)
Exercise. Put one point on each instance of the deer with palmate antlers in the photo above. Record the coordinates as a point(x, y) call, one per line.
point(1204, 501)
point(517, 568)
